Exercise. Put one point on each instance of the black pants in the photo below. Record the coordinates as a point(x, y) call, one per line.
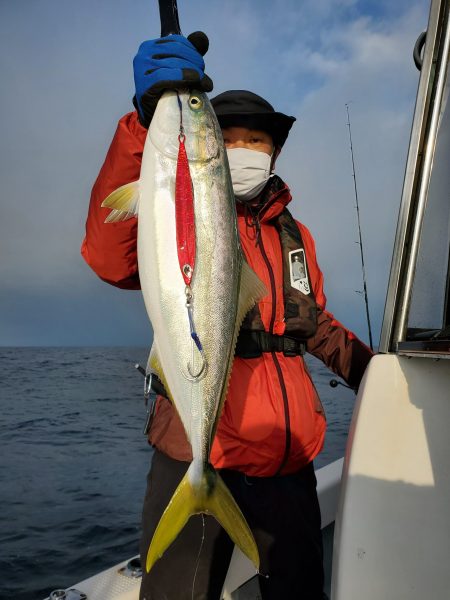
point(283, 514)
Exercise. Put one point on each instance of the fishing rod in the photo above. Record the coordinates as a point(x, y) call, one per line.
point(168, 12)
point(366, 299)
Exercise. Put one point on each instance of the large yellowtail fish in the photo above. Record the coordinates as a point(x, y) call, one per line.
point(197, 289)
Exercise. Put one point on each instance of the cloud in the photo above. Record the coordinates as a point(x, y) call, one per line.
point(67, 78)
point(374, 72)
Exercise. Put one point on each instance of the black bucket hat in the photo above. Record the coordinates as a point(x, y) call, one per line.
point(240, 108)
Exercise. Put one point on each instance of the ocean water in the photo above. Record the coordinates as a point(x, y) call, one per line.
point(73, 461)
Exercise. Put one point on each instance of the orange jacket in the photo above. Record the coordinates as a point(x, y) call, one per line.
point(272, 421)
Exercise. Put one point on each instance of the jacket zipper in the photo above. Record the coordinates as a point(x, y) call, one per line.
point(287, 418)
point(274, 356)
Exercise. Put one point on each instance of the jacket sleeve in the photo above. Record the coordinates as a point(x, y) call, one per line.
point(337, 347)
point(110, 249)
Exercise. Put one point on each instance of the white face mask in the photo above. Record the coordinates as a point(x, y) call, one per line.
point(250, 171)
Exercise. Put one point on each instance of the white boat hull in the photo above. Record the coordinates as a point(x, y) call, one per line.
point(392, 536)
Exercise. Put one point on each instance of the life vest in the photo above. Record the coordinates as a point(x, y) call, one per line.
point(300, 308)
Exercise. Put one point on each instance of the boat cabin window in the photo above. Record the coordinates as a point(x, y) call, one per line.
point(429, 314)
point(417, 312)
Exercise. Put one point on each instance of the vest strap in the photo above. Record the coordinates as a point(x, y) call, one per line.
point(300, 308)
point(251, 344)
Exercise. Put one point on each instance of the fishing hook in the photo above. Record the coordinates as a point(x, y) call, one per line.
point(194, 376)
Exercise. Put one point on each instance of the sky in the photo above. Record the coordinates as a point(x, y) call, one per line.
point(66, 74)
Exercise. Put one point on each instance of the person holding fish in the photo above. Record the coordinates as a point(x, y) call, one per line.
point(261, 436)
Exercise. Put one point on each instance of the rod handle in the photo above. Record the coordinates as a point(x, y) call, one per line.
point(168, 12)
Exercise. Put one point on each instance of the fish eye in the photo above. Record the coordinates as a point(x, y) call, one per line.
point(195, 102)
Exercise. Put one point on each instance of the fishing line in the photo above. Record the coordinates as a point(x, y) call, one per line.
point(180, 106)
point(197, 563)
point(195, 340)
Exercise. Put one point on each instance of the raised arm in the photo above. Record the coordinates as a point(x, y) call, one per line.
point(169, 62)
point(110, 248)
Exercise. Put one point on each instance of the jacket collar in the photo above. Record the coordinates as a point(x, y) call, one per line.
point(273, 199)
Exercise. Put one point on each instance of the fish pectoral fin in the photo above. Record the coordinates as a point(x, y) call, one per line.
point(251, 291)
point(124, 203)
point(212, 497)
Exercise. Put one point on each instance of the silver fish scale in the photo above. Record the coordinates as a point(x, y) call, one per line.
point(215, 295)
point(218, 263)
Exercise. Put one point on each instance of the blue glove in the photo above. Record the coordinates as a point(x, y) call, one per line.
point(171, 62)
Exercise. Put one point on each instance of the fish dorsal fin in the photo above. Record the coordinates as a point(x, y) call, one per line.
point(251, 291)
point(124, 203)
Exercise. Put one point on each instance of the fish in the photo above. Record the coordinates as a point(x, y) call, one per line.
point(197, 289)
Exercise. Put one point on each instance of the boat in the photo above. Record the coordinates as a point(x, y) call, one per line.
point(392, 537)
point(386, 505)
point(122, 581)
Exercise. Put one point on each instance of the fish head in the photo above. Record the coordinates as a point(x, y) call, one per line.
point(189, 114)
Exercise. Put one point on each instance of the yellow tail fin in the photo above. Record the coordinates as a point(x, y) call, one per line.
point(210, 496)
